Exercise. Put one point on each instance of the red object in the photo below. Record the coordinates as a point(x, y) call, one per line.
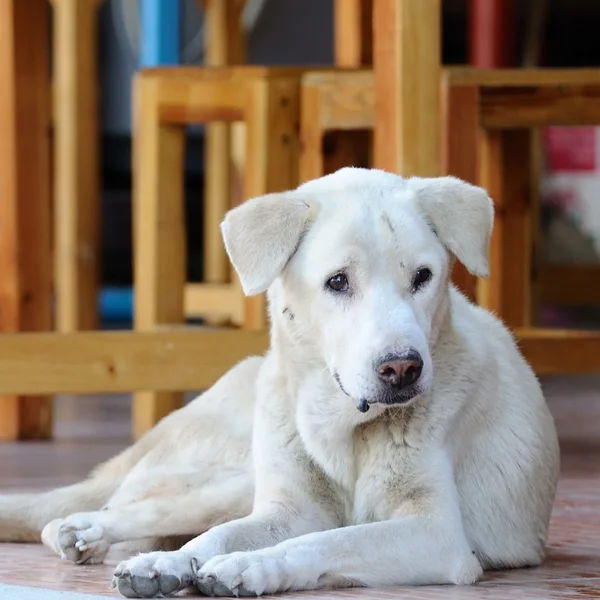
point(571, 149)
point(491, 33)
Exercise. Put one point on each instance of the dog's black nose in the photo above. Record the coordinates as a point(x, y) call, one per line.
point(400, 371)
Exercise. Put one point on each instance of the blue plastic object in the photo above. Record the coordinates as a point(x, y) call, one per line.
point(159, 32)
point(116, 304)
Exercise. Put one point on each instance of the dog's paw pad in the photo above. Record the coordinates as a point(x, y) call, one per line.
point(81, 542)
point(151, 575)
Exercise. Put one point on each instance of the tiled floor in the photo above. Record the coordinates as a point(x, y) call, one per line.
point(91, 430)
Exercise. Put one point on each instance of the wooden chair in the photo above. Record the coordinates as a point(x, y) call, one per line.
point(266, 100)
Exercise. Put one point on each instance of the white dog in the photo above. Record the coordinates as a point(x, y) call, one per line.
point(393, 434)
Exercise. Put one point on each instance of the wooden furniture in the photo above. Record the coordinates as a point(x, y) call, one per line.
point(407, 67)
point(224, 146)
point(504, 105)
point(486, 121)
point(166, 100)
point(76, 165)
point(25, 226)
point(334, 100)
point(225, 46)
point(110, 362)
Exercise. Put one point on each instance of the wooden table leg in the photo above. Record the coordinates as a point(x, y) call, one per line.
point(407, 57)
point(25, 262)
point(159, 236)
point(76, 163)
point(460, 145)
point(505, 159)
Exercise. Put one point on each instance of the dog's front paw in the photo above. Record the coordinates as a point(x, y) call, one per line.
point(250, 574)
point(77, 538)
point(154, 574)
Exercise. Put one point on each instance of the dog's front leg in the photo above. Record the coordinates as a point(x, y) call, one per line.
point(413, 550)
point(164, 573)
point(425, 548)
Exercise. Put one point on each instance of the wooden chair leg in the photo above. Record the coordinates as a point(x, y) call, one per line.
point(353, 48)
point(272, 154)
point(76, 185)
point(460, 143)
point(159, 237)
point(353, 33)
point(224, 47)
point(505, 160)
point(25, 228)
point(407, 57)
point(311, 135)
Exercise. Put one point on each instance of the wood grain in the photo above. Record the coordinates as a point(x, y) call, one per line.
point(25, 226)
point(353, 33)
point(530, 106)
point(521, 77)
point(76, 164)
point(553, 352)
point(460, 143)
point(311, 164)
point(224, 46)
point(505, 160)
point(272, 154)
point(159, 235)
point(407, 57)
point(107, 362)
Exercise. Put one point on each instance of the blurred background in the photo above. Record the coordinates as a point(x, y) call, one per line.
point(299, 32)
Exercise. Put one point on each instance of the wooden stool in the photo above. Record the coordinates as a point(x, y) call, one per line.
point(166, 100)
point(489, 115)
point(486, 118)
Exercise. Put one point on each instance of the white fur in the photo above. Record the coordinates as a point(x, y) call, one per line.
point(459, 479)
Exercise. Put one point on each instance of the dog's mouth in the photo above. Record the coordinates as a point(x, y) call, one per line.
point(387, 398)
point(390, 399)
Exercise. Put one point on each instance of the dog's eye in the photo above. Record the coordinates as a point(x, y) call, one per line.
point(337, 283)
point(421, 277)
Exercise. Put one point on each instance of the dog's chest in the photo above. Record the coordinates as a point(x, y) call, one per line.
point(331, 446)
point(371, 470)
point(344, 456)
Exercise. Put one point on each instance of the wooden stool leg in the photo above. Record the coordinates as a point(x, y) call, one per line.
point(224, 46)
point(272, 154)
point(25, 228)
point(76, 185)
point(460, 143)
point(407, 57)
point(159, 237)
point(353, 48)
point(505, 159)
point(353, 33)
point(311, 135)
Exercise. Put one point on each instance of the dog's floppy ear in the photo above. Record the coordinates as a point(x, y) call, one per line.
point(462, 216)
point(262, 234)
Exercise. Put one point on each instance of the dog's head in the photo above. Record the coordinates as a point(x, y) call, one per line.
point(358, 264)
